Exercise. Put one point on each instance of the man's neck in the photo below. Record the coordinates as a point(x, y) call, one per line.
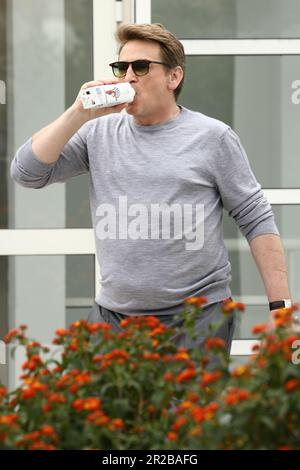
point(168, 115)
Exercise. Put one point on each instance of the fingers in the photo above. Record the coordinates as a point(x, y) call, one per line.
point(103, 81)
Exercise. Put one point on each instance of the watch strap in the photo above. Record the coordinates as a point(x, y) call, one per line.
point(284, 303)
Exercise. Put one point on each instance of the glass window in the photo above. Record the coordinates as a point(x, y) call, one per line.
point(46, 54)
point(45, 293)
point(259, 97)
point(229, 18)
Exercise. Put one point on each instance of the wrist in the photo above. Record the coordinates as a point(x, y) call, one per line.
point(77, 114)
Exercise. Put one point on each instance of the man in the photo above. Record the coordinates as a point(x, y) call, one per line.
point(153, 161)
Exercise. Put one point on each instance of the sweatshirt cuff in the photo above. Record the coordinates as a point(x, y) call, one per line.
point(265, 227)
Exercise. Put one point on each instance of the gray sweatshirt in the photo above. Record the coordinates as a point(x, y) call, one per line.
point(157, 195)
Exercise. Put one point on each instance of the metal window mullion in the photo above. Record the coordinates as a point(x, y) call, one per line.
point(283, 196)
point(142, 12)
point(47, 242)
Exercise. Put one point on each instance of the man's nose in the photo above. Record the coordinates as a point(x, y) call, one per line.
point(130, 75)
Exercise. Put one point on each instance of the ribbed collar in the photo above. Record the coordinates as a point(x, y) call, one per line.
point(157, 127)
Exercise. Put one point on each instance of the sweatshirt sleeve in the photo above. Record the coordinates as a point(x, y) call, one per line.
point(240, 192)
point(27, 170)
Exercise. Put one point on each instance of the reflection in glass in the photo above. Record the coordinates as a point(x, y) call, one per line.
point(199, 19)
point(252, 94)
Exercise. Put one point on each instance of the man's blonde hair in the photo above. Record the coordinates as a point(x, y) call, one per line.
point(171, 49)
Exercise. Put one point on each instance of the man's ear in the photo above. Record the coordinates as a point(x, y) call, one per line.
point(175, 77)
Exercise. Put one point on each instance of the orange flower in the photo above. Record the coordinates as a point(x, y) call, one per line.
point(83, 378)
point(38, 386)
point(180, 421)
point(63, 381)
point(193, 397)
point(8, 419)
point(48, 430)
point(151, 409)
point(117, 423)
point(211, 343)
point(240, 371)
point(198, 301)
point(209, 377)
point(182, 355)
point(61, 332)
point(97, 358)
point(124, 323)
point(124, 335)
point(73, 388)
point(261, 362)
point(74, 345)
point(77, 324)
point(151, 321)
point(89, 404)
point(229, 306)
point(273, 348)
point(46, 407)
point(117, 354)
point(235, 395)
point(210, 410)
point(3, 392)
point(284, 312)
point(10, 335)
point(151, 356)
point(31, 436)
point(197, 414)
point(168, 376)
point(158, 331)
point(186, 405)
point(290, 340)
point(32, 363)
point(185, 375)
point(259, 328)
point(196, 431)
point(212, 407)
point(94, 327)
point(255, 347)
point(56, 398)
point(282, 321)
point(291, 385)
point(27, 393)
point(98, 418)
point(172, 436)
point(40, 445)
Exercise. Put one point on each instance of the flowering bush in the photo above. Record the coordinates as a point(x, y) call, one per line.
point(136, 390)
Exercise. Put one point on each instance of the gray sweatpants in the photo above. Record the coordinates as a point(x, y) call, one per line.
point(210, 314)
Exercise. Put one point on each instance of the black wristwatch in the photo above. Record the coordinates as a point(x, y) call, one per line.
point(284, 303)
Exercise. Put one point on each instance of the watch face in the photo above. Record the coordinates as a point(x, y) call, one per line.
point(288, 303)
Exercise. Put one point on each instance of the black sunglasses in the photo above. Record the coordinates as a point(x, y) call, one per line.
point(139, 67)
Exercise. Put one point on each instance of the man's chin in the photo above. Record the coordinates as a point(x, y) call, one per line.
point(130, 108)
